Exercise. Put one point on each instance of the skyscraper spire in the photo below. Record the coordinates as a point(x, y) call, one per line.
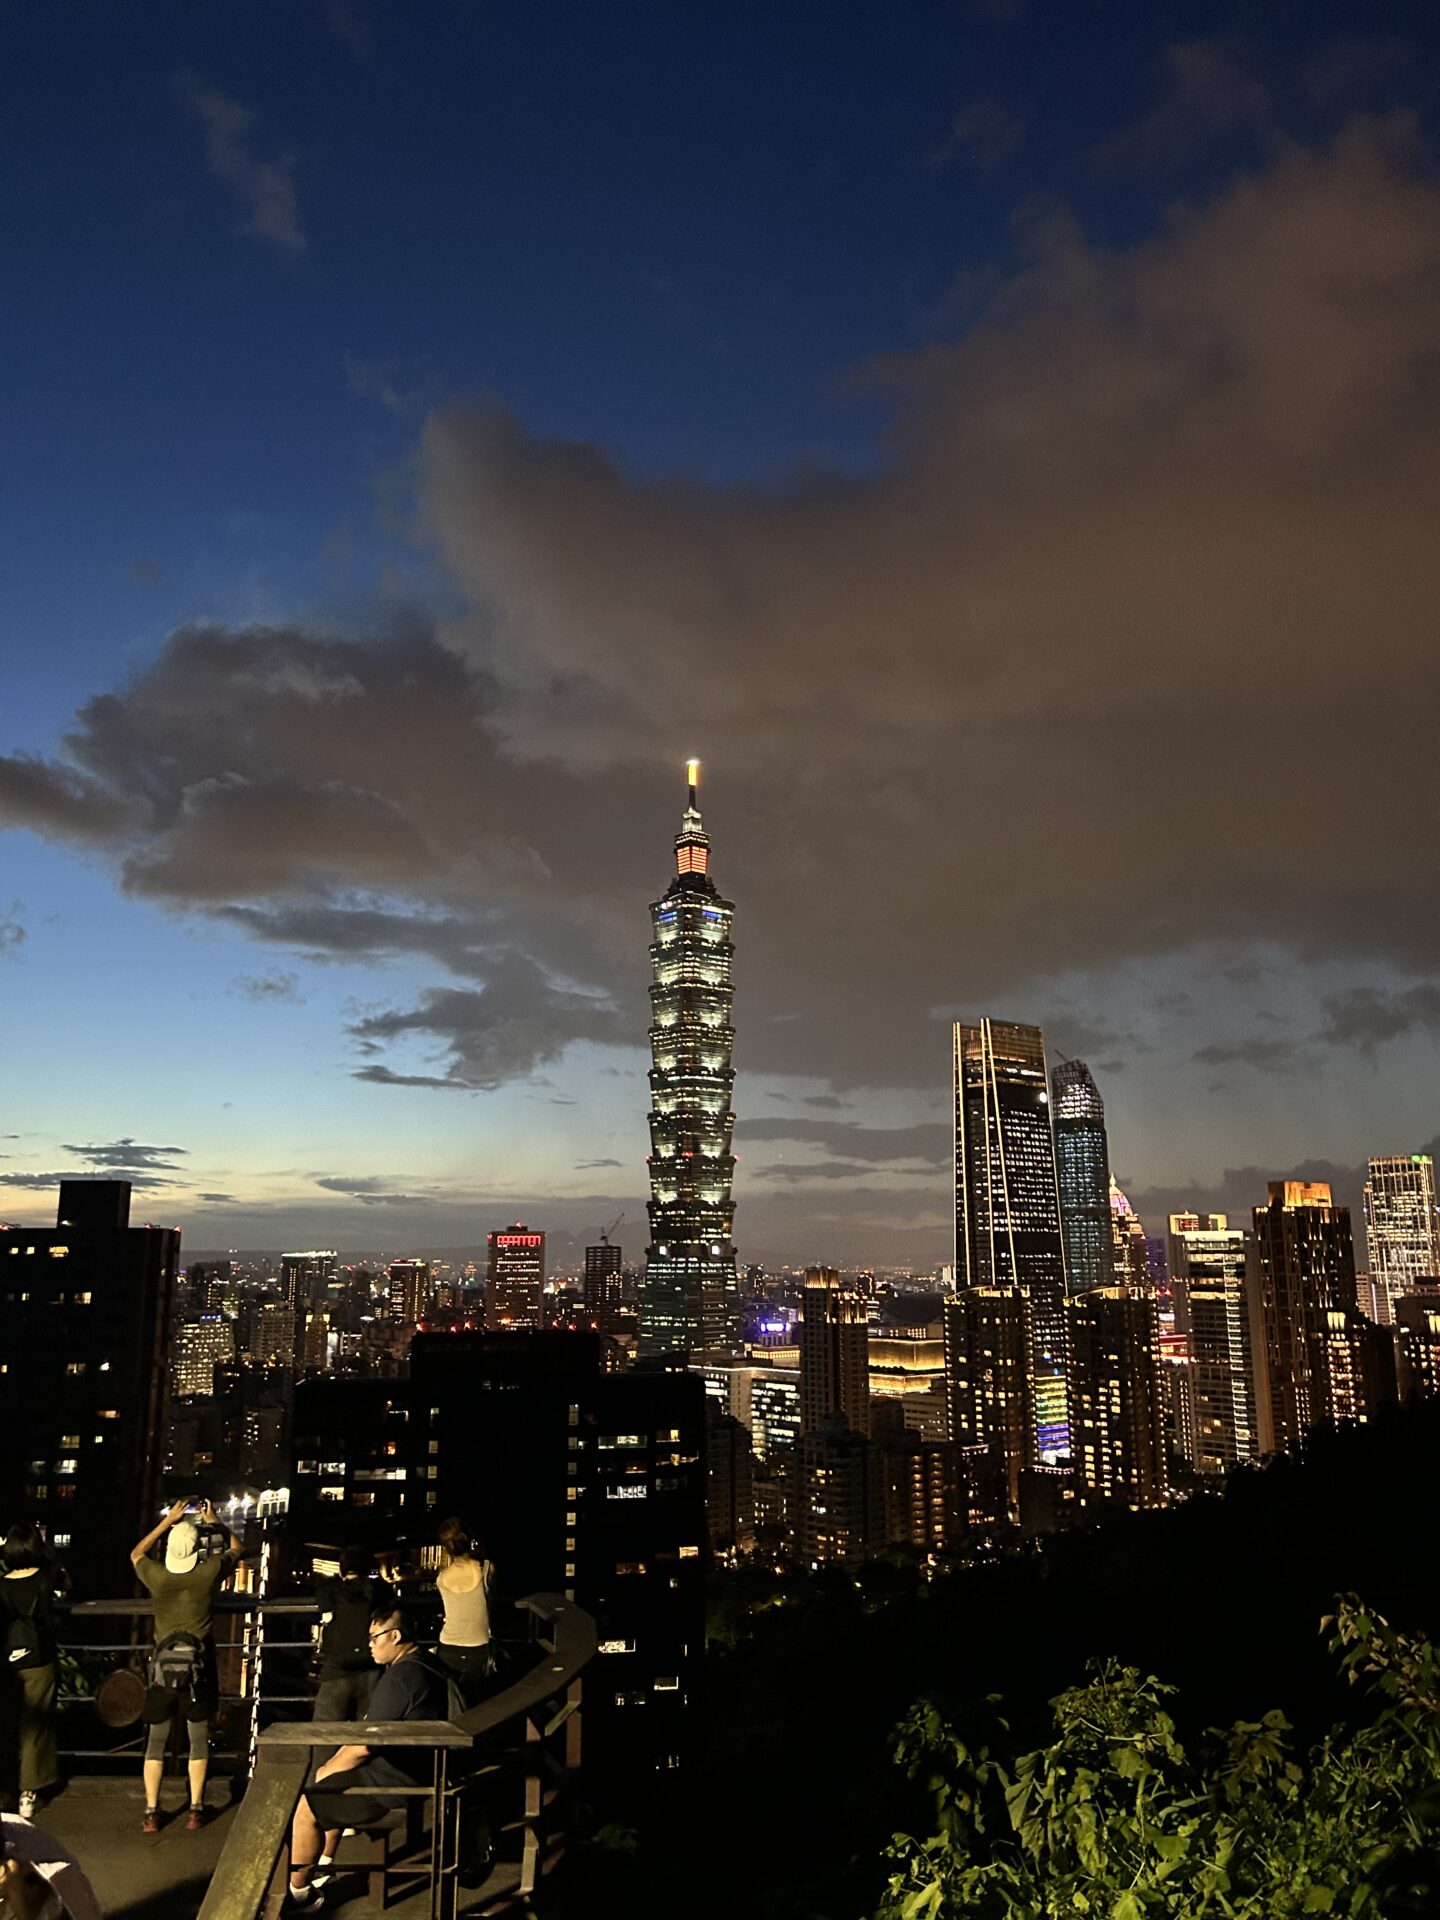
point(690, 1301)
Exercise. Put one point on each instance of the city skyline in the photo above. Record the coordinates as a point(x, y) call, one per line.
point(922, 433)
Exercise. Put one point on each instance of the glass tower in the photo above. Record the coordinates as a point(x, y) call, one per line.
point(1402, 1227)
point(1007, 1199)
point(690, 1300)
point(1082, 1164)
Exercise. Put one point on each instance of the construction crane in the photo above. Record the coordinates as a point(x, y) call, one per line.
point(605, 1232)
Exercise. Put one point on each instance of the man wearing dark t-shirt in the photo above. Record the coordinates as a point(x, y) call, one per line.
point(407, 1689)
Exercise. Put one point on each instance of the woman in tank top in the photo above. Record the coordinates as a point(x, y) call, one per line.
point(464, 1585)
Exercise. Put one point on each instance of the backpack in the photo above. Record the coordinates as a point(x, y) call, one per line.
point(22, 1635)
point(177, 1664)
point(455, 1705)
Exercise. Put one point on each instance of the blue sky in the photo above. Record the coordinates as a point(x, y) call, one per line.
point(888, 404)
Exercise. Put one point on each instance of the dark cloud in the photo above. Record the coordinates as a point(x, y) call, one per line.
point(1197, 478)
point(519, 1021)
point(797, 1172)
point(219, 1199)
point(372, 1190)
point(1208, 89)
point(128, 1156)
point(137, 1178)
point(589, 1166)
point(264, 186)
point(1367, 1017)
point(13, 934)
point(266, 988)
point(57, 801)
point(830, 1101)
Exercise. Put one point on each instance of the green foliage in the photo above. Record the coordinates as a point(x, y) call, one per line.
point(1114, 1820)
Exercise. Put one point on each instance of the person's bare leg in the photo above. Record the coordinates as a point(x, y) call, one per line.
point(154, 1773)
point(197, 1770)
point(305, 1846)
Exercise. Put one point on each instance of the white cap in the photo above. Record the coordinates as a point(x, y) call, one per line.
point(182, 1547)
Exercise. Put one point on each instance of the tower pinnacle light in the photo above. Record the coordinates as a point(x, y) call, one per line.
point(690, 1301)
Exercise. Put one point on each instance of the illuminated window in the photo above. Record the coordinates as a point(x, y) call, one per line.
point(74, 1366)
point(629, 1699)
point(616, 1646)
point(58, 1253)
point(332, 1493)
point(629, 1566)
point(60, 1539)
point(689, 1553)
point(69, 1439)
point(669, 1683)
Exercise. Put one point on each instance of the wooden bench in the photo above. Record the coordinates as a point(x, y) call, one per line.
point(383, 1860)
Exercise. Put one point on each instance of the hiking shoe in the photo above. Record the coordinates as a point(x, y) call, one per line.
point(28, 1804)
point(305, 1899)
point(151, 1822)
point(195, 1819)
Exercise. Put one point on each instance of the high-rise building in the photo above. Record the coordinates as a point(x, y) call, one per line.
point(515, 1281)
point(1129, 1247)
point(1208, 1266)
point(991, 1401)
point(1082, 1165)
point(201, 1343)
point(274, 1334)
point(1402, 1227)
point(1117, 1423)
point(1360, 1370)
point(410, 1290)
point(85, 1313)
point(729, 1480)
point(1418, 1345)
point(304, 1277)
point(924, 1484)
point(838, 1497)
point(1302, 1262)
point(604, 1284)
point(690, 1298)
point(1007, 1198)
point(834, 1353)
point(601, 1496)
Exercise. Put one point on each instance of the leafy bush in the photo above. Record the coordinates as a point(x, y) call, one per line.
point(1114, 1820)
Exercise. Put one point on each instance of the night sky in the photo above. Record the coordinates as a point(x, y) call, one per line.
point(1002, 439)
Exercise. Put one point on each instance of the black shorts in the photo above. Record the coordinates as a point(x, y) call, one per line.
point(200, 1702)
point(334, 1808)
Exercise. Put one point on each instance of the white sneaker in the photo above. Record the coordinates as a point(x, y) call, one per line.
point(28, 1804)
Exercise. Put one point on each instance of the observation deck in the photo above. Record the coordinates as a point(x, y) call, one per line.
point(502, 1777)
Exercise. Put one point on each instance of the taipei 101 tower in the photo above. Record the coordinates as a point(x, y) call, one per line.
point(690, 1303)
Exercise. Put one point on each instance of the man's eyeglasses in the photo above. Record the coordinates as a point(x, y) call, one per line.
point(380, 1635)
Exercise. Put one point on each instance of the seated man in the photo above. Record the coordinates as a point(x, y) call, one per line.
point(407, 1689)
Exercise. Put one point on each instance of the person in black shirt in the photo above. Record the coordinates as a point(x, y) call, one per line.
point(347, 1607)
point(29, 1583)
point(407, 1689)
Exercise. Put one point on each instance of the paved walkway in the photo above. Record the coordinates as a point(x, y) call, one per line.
point(163, 1876)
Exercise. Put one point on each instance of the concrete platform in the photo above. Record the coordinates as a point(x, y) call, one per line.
point(164, 1876)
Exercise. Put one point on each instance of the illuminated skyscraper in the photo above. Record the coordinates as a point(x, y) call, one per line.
point(515, 1280)
point(1303, 1269)
point(834, 1353)
point(1212, 1311)
point(1129, 1248)
point(1007, 1198)
point(1402, 1227)
point(690, 1300)
point(1117, 1427)
point(200, 1344)
point(304, 1277)
point(990, 1399)
point(1082, 1165)
point(409, 1290)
